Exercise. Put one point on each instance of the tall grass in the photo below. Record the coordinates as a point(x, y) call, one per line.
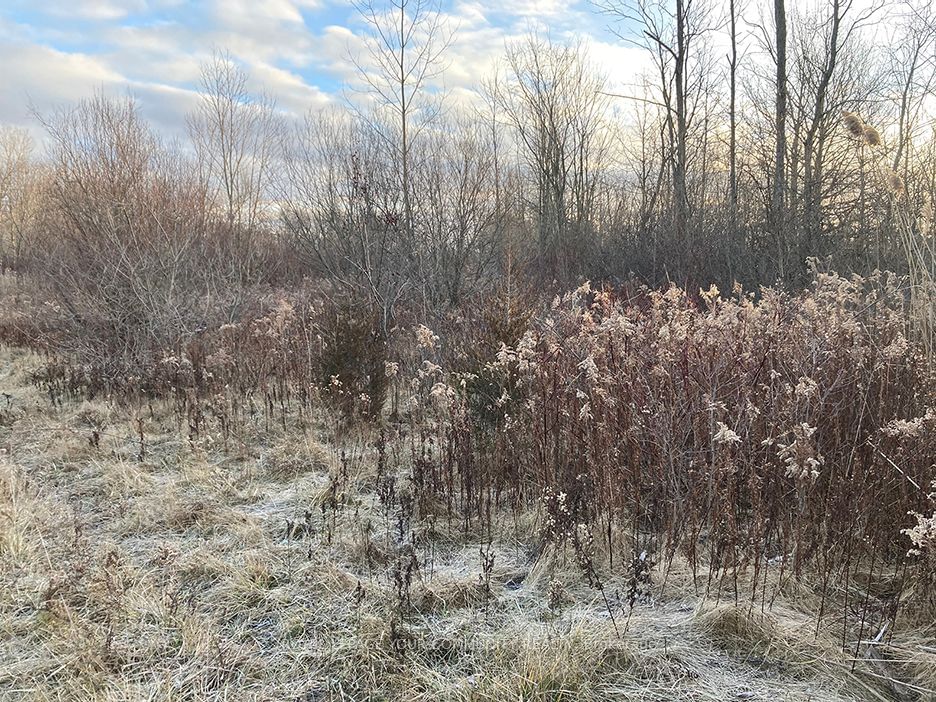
point(913, 222)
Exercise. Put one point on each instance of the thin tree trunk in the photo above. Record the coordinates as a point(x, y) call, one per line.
point(733, 120)
point(776, 215)
point(679, 172)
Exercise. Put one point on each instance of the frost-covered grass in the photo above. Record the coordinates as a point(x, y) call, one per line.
point(271, 567)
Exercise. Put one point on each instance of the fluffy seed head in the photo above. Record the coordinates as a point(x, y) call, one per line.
point(853, 124)
point(872, 136)
point(893, 182)
point(926, 216)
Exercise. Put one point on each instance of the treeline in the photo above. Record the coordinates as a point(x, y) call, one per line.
point(804, 140)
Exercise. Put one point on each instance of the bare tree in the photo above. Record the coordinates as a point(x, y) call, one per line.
point(125, 241)
point(733, 12)
point(405, 44)
point(341, 208)
point(236, 137)
point(20, 191)
point(555, 102)
point(913, 64)
point(776, 214)
point(836, 30)
point(671, 32)
point(461, 214)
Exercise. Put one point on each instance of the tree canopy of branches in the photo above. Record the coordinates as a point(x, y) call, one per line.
point(758, 138)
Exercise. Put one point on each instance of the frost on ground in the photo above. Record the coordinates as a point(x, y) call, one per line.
point(166, 569)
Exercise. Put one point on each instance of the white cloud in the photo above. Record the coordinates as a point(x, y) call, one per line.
point(157, 56)
point(621, 64)
point(43, 78)
point(164, 106)
point(530, 8)
point(94, 9)
point(153, 53)
point(292, 93)
point(261, 30)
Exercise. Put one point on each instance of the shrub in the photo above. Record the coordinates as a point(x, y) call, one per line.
point(730, 430)
point(126, 245)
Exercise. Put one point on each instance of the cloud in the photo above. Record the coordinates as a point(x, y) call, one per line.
point(43, 78)
point(247, 13)
point(164, 106)
point(529, 8)
point(291, 91)
point(295, 50)
point(622, 64)
point(472, 13)
point(93, 9)
point(153, 53)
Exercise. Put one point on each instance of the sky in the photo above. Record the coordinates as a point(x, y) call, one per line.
point(56, 52)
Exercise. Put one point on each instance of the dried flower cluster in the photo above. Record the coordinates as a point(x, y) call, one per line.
point(771, 424)
point(893, 181)
point(800, 457)
point(857, 127)
point(778, 426)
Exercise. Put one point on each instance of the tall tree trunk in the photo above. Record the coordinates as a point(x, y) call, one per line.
point(812, 144)
point(776, 215)
point(404, 118)
point(679, 172)
point(733, 120)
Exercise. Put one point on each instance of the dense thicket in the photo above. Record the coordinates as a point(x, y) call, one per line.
point(711, 171)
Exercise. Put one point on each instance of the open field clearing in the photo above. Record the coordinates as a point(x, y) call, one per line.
point(142, 561)
point(446, 350)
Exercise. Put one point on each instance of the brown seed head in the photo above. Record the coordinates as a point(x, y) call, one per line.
point(871, 135)
point(853, 124)
point(893, 181)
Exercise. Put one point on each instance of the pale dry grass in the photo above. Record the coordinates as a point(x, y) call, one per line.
point(177, 577)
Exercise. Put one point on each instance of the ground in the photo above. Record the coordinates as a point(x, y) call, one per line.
point(170, 568)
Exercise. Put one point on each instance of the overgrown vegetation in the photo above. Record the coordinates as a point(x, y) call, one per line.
point(355, 398)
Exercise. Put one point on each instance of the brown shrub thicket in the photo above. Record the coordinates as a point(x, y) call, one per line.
point(740, 432)
point(736, 433)
point(127, 246)
point(787, 431)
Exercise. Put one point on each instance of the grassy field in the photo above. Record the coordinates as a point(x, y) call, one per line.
point(138, 565)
